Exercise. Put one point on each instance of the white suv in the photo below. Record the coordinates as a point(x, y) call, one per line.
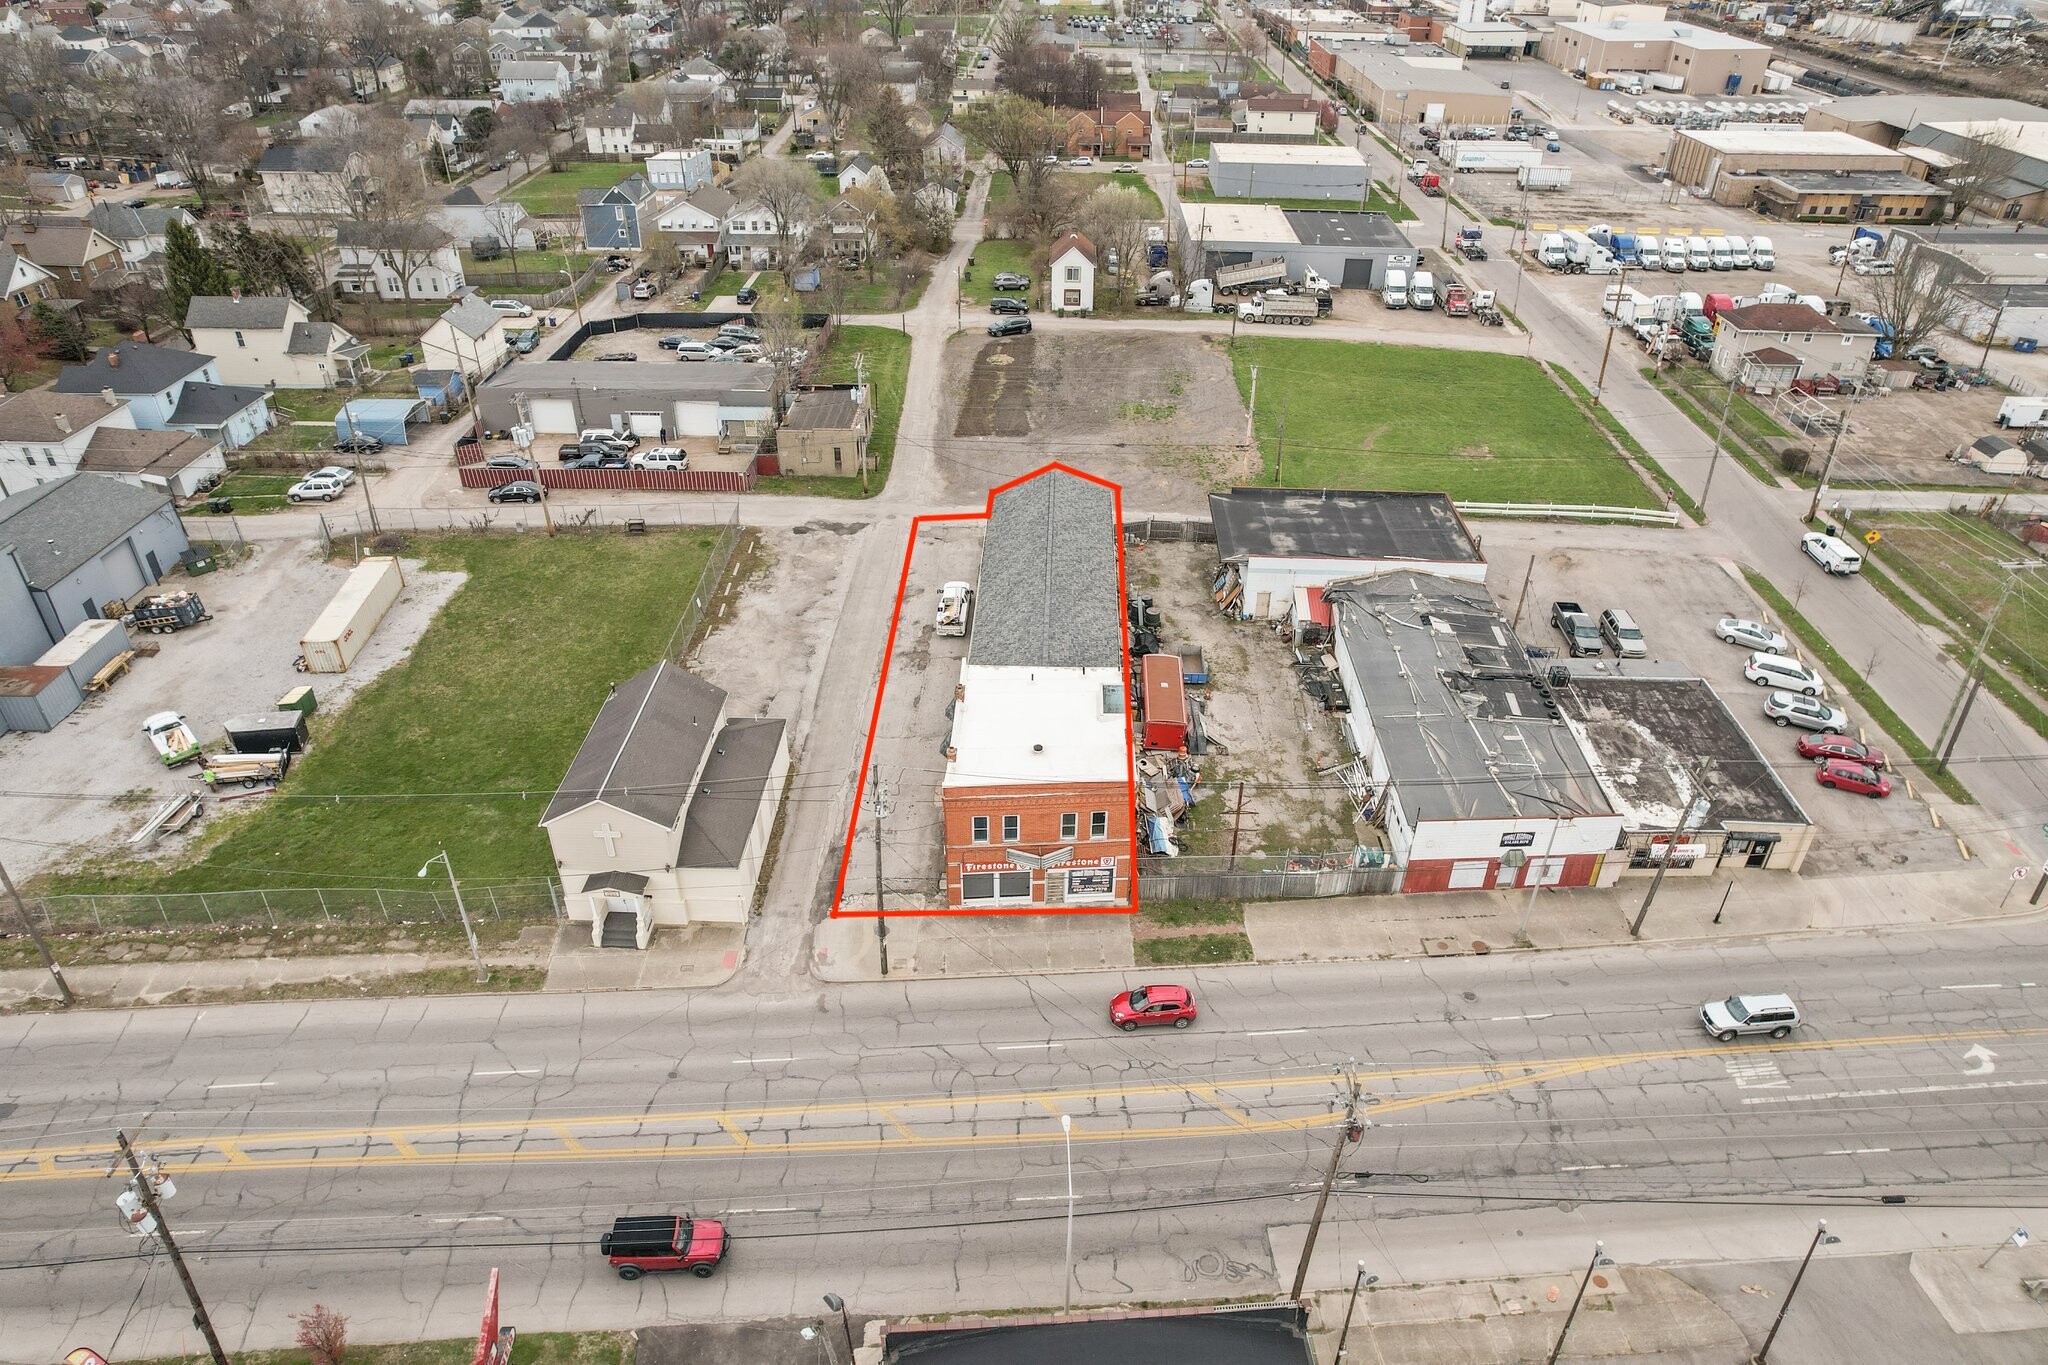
point(1739, 1014)
point(661, 457)
point(1788, 675)
point(317, 487)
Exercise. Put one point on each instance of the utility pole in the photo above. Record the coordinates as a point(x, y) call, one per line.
point(28, 923)
point(1600, 384)
point(1237, 824)
point(1704, 804)
point(1827, 467)
point(1720, 438)
point(1360, 1281)
point(860, 377)
point(1351, 1131)
point(145, 1191)
point(1280, 447)
point(1992, 335)
point(881, 920)
point(1958, 710)
point(1522, 601)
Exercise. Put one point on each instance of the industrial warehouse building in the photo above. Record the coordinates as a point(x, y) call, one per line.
point(1277, 546)
point(1272, 170)
point(1728, 165)
point(654, 401)
point(1410, 83)
point(1352, 249)
point(1706, 61)
point(1037, 791)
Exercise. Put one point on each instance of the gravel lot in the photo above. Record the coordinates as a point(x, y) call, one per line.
point(764, 644)
point(239, 662)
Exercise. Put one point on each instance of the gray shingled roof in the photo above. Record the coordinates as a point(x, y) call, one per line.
point(116, 450)
point(646, 743)
point(304, 156)
point(43, 414)
point(472, 317)
point(258, 312)
point(125, 224)
point(143, 369)
point(728, 796)
point(208, 405)
point(1049, 595)
point(56, 528)
point(320, 338)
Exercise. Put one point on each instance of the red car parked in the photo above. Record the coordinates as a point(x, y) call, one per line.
point(1833, 745)
point(1147, 1005)
point(644, 1245)
point(1844, 775)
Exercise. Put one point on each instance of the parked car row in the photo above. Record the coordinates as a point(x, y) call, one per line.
point(1588, 637)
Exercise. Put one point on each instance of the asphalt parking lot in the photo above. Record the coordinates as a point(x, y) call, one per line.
point(1676, 598)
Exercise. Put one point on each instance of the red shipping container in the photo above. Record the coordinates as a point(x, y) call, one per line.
point(1166, 703)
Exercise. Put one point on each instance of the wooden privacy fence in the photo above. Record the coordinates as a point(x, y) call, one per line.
point(637, 480)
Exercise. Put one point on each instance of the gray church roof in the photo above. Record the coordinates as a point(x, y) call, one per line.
point(644, 747)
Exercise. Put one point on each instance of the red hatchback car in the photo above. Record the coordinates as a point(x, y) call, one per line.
point(1146, 1005)
point(1832, 745)
point(1844, 775)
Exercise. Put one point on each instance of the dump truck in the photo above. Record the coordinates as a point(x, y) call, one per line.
point(956, 608)
point(1283, 308)
point(163, 613)
point(1250, 277)
point(1457, 301)
point(175, 743)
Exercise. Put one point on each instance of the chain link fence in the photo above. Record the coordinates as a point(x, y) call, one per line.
point(514, 902)
point(1260, 876)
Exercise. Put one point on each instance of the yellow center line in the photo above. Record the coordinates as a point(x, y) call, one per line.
point(1049, 1107)
point(233, 1153)
point(568, 1139)
point(739, 1139)
point(898, 1125)
point(1209, 1095)
point(402, 1145)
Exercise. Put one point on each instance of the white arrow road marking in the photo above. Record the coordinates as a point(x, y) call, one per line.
point(1982, 1056)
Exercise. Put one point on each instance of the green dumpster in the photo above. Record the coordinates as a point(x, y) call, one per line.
point(299, 699)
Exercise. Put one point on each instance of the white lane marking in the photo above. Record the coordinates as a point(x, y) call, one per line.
point(1895, 1090)
point(787, 1208)
point(1040, 1198)
point(760, 1061)
point(1858, 1151)
point(1273, 1032)
point(1756, 1074)
point(1980, 1059)
point(239, 1085)
point(1511, 1018)
point(1023, 1047)
point(1617, 1166)
point(1978, 986)
point(474, 1218)
point(516, 1071)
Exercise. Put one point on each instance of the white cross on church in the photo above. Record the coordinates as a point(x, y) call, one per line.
point(611, 838)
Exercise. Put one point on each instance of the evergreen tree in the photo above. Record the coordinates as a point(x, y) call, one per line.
point(64, 334)
point(190, 268)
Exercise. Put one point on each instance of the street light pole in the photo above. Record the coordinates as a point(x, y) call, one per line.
point(838, 1305)
point(1360, 1282)
point(475, 954)
point(1592, 1265)
point(1821, 1237)
point(1067, 1281)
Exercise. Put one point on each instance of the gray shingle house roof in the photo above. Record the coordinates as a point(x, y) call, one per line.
point(304, 156)
point(131, 367)
point(728, 796)
point(472, 317)
point(634, 189)
point(125, 224)
point(58, 526)
point(257, 312)
point(319, 338)
point(648, 739)
point(1049, 595)
point(206, 405)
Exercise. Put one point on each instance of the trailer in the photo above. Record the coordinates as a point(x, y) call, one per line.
point(163, 613)
point(1543, 177)
point(1166, 702)
point(1506, 157)
point(247, 771)
point(1250, 277)
point(266, 732)
point(345, 625)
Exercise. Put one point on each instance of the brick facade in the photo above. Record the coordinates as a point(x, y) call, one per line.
point(1039, 813)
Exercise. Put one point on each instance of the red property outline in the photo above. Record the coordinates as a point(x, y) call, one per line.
point(917, 524)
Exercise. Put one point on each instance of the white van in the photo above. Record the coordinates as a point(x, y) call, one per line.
point(1649, 252)
point(1837, 556)
point(1394, 293)
point(1722, 254)
point(1738, 247)
point(1761, 252)
point(1698, 255)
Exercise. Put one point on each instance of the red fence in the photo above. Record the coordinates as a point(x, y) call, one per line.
point(642, 480)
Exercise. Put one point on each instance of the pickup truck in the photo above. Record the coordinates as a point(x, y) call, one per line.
point(638, 1245)
point(1581, 636)
point(175, 743)
point(956, 606)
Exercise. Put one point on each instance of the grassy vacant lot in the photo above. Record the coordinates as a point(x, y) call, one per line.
point(1952, 561)
point(530, 1348)
point(889, 291)
point(552, 194)
point(528, 263)
point(255, 492)
point(991, 258)
point(1490, 428)
point(490, 707)
point(885, 353)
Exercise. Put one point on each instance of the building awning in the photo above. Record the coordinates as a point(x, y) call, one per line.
point(615, 881)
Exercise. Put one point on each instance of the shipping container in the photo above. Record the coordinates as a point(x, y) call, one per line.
point(88, 648)
point(39, 696)
point(348, 621)
point(267, 732)
point(1166, 703)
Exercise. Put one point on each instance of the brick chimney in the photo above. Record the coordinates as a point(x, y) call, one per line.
point(113, 359)
point(235, 292)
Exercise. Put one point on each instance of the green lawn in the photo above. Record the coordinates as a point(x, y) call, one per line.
point(887, 292)
point(528, 263)
point(552, 194)
point(992, 257)
point(885, 354)
point(443, 721)
point(1484, 427)
point(1001, 190)
point(254, 492)
point(1952, 561)
point(1376, 202)
point(1173, 80)
point(529, 1348)
point(1142, 186)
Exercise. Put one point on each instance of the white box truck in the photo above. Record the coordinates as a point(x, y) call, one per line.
point(348, 621)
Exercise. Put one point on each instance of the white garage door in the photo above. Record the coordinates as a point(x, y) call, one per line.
point(647, 424)
point(696, 419)
point(554, 416)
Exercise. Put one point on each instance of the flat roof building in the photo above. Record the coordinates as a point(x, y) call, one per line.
point(1724, 164)
point(1410, 84)
point(1887, 118)
point(1353, 249)
point(1275, 170)
point(1705, 61)
point(652, 400)
point(1848, 197)
point(1278, 545)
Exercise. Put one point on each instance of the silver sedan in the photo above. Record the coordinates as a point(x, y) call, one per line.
point(1751, 635)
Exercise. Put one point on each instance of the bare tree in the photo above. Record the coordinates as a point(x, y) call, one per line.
point(322, 1335)
point(1984, 155)
point(892, 12)
point(1019, 133)
point(392, 216)
point(787, 192)
point(181, 118)
point(781, 324)
point(849, 73)
point(1920, 298)
point(1114, 218)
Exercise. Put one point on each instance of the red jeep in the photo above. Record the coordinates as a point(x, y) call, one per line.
point(637, 1246)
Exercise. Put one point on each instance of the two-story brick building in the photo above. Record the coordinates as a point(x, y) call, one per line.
point(1037, 791)
point(1117, 127)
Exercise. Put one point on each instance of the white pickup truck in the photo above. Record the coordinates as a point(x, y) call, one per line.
point(175, 743)
point(956, 608)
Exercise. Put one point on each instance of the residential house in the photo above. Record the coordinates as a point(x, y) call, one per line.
point(619, 132)
point(1823, 347)
point(533, 82)
point(696, 226)
point(471, 218)
point(1109, 130)
point(538, 26)
point(71, 249)
point(586, 69)
point(139, 232)
point(371, 75)
point(1279, 118)
point(23, 284)
point(172, 391)
point(398, 261)
point(470, 338)
point(946, 152)
point(702, 69)
point(330, 120)
point(751, 238)
point(1070, 269)
point(271, 339)
point(825, 432)
point(851, 232)
point(664, 816)
point(738, 130)
point(74, 38)
point(77, 543)
point(862, 173)
point(682, 170)
point(621, 218)
point(311, 178)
